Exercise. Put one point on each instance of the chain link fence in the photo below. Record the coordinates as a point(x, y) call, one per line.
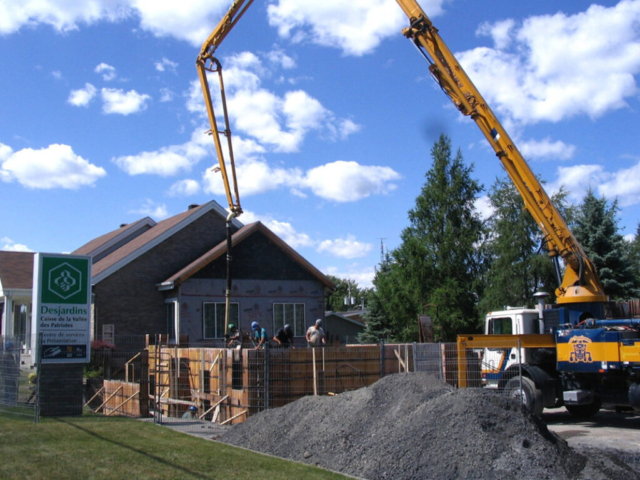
point(143, 377)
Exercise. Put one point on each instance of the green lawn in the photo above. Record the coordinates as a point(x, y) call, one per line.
point(100, 447)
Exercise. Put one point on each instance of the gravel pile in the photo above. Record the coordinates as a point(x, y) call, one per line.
point(413, 426)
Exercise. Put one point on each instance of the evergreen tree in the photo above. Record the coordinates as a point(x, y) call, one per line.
point(596, 228)
point(519, 266)
point(377, 325)
point(437, 261)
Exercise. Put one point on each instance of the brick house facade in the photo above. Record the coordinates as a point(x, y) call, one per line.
point(170, 278)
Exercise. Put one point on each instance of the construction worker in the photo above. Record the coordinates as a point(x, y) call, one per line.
point(284, 337)
point(315, 335)
point(259, 335)
point(191, 413)
point(234, 338)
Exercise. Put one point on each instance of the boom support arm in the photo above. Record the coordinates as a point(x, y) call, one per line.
point(580, 282)
point(206, 62)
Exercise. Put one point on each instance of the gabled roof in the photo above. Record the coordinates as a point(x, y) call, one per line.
point(98, 245)
point(152, 237)
point(16, 270)
point(221, 249)
point(342, 315)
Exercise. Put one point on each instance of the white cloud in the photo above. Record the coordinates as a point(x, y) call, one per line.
point(284, 230)
point(623, 185)
point(11, 246)
point(279, 122)
point(62, 15)
point(363, 275)
point(500, 31)
point(166, 64)
point(108, 72)
point(546, 149)
point(152, 209)
point(356, 27)
point(344, 181)
point(83, 96)
point(558, 66)
point(56, 166)
point(166, 95)
point(167, 161)
point(184, 188)
point(484, 207)
point(279, 58)
point(123, 103)
point(347, 247)
point(57, 74)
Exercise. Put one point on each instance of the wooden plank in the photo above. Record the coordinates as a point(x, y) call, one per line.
point(118, 407)
point(97, 393)
point(233, 418)
point(110, 397)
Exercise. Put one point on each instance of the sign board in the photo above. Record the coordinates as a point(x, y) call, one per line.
point(62, 307)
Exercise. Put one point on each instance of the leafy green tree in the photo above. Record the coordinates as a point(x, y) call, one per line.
point(334, 301)
point(596, 228)
point(519, 264)
point(437, 261)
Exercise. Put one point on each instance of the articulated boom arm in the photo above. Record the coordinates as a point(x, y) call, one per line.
point(580, 282)
point(206, 62)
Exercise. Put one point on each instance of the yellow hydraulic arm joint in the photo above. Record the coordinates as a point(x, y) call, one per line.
point(206, 62)
point(580, 282)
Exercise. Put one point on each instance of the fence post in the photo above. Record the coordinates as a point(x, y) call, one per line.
point(381, 358)
point(415, 357)
point(266, 375)
point(36, 410)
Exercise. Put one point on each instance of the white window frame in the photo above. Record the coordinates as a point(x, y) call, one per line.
point(217, 334)
point(298, 330)
point(176, 319)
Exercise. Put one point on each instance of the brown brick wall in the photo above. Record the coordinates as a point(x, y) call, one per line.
point(130, 299)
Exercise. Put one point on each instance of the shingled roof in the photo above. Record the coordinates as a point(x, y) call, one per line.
point(221, 249)
point(16, 270)
point(149, 239)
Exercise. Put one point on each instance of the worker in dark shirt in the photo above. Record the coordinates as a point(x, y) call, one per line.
point(284, 337)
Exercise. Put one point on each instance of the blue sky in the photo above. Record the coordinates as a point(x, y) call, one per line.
point(333, 113)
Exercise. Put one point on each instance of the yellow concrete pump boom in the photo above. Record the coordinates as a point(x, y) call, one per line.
point(206, 62)
point(580, 282)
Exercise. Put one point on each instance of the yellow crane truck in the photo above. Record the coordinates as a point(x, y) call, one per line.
point(573, 353)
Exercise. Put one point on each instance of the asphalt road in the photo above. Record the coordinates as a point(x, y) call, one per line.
point(607, 429)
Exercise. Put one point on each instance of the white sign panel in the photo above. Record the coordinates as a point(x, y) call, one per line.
point(62, 307)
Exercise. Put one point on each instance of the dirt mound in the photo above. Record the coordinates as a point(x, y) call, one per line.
point(413, 426)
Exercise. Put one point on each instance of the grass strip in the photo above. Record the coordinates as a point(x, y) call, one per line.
point(104, 448)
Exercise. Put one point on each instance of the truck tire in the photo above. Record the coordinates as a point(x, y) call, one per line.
point(530, 396)
point(585, 411)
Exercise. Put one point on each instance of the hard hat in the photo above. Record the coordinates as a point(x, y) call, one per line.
point(193, 409)
point(287, 327)
point(254, 325)
point(318, 322)
point(231, 326)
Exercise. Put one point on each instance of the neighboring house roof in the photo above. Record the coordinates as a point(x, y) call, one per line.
point(16, 270)
point(236, 238)
point(342, 316)
point(150, 238)
point(99, 245)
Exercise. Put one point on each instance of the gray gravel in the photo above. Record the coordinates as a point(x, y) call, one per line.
point(413, 426)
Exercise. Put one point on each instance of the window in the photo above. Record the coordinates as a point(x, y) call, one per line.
point(291, 313)
point(213, 314)
point(171, 319)
point(500, 326)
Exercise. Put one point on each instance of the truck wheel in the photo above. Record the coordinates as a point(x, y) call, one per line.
point(585, 411)
point(530, 396)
